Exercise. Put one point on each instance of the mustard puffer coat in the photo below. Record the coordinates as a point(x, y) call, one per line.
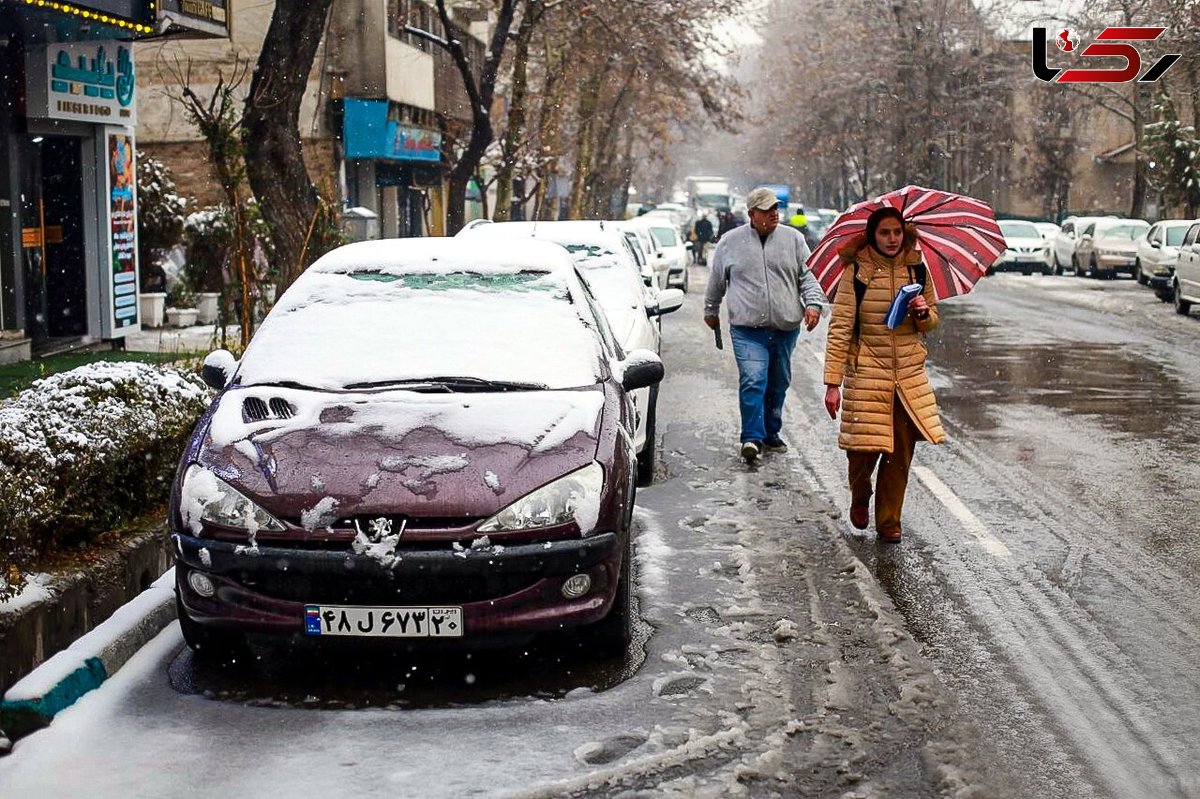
point(878, 364)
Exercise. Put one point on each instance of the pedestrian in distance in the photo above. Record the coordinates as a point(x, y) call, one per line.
point(889, 403)
point(799, 221)
point(702, 233)
point(760, 269)
point(725, 224)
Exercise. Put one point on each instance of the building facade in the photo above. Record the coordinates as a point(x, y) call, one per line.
point(68, 116)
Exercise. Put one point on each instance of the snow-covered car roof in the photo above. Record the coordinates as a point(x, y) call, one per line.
point(413, 309)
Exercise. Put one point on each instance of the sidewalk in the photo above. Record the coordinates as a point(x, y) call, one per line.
point(201, 339)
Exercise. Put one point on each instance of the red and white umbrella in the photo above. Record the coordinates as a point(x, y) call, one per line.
point(958, 237)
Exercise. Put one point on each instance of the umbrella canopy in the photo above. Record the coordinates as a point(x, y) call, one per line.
point(958, 237)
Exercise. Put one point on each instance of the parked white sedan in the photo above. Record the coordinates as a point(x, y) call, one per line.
point(608, 266)
point(1067, 239)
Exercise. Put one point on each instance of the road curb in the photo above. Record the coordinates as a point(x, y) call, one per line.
point(84, 666)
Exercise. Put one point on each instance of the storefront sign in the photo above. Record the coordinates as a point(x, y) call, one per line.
point(370, 135)
point(87, 82)
point(122, 226)
point(202, 16)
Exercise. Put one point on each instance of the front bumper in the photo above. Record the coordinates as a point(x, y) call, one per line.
point(1115, 263)
point(502, 590)
point(1022, 262)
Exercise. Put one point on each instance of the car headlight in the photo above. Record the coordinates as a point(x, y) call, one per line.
point(575, 496)
point(204, 497)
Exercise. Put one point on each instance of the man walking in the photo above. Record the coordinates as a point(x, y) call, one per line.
point(702, 233)
point(760, 268)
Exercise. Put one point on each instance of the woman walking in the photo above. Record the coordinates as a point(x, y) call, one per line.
point(889, 404)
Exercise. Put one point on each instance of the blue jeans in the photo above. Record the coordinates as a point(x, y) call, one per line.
point(764, 360)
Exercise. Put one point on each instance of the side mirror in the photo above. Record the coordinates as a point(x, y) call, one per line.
point(689, 245)
point(641, 369)
point(668, 300)
point(218, 369)
point(1156, 245)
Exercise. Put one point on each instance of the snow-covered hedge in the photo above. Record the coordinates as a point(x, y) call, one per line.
point(82, 450)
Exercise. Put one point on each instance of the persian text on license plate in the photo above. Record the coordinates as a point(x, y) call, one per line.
point(387, 622)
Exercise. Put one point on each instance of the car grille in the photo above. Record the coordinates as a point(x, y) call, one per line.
point(254, 409)
point(359, 589)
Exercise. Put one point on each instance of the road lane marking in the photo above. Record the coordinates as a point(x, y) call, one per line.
point(959, 510)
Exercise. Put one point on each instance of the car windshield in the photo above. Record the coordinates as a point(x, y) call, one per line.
point(332, 330)
point(1019, 230)
point(665, 236)
point(1175, 235)
point(615, 282)
point(1123, 232)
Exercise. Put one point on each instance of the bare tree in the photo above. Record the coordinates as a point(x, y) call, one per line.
point(290, 202)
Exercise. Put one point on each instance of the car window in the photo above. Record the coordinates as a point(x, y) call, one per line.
point(1068, 227)
point(665, 236)
point(601, 321)
point(1090, 229)
point(635, 248)
point(1174, 235)
point(1154, 234)
point(1019, 230)
point(1127, 232)
point(336, 329)
point(1190, 238)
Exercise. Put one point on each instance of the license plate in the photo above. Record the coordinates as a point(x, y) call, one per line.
point(385, 622)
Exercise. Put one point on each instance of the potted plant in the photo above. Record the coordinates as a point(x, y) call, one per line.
point(207, 237)
point(181, 306)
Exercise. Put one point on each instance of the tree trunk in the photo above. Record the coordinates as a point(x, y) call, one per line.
point(516, 118)
point(274, 152)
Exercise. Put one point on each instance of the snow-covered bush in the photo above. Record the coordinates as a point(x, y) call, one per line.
point(82, 450)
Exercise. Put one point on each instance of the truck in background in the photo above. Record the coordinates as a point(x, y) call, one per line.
point(711, 192)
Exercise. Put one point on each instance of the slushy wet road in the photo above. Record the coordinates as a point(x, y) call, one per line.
point(1051, 562)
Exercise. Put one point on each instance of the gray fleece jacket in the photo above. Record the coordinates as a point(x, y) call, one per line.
point(768, 285)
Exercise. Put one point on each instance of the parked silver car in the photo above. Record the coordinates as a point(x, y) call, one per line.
point(1109, 246)
point(1186, 281)
point(1157, 253)
point(1065, 241)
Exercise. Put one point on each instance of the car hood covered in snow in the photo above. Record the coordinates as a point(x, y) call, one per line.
point(319, 456)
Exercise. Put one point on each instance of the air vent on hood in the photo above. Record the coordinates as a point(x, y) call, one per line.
point(256, 410)
point(280, 408)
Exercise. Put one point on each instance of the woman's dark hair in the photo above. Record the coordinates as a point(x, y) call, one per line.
point(876, 217)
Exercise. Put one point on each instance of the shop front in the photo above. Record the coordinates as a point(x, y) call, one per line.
point(68, 248)
point(393, 167)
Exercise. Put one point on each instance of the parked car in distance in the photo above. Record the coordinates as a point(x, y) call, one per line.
point(1185, 283)
point(1025, 249)
point(426, 441)
point(1063, 247)
point(675, 252)
point(1109, 246)
point(606, 263)
point(1048, 230)
point(1157, 253)
point(656, 264)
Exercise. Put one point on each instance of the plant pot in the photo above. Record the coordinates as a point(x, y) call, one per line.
point(207, 304)
point(181, 317)
point(151, 307)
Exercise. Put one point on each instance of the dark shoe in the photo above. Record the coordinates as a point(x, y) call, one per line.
point(890, 535)
point(775, 444)
point(860, 516)
point(751, 450)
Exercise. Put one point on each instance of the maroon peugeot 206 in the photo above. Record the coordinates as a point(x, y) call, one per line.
point(426, 439)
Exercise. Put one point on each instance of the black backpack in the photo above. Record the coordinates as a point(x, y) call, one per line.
point(918, 274)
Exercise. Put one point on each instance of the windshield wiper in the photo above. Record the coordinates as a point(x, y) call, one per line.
point(449, 385)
